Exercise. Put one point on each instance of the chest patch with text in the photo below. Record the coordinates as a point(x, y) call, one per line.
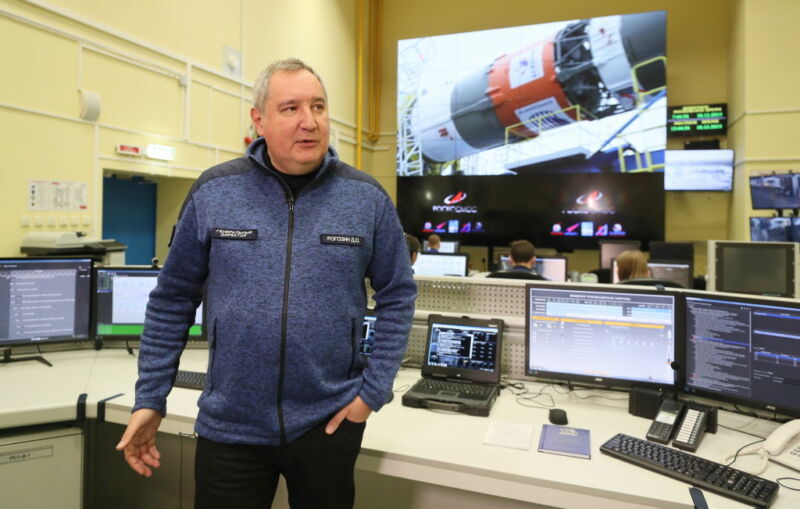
point(344, 240)
point(230, 234)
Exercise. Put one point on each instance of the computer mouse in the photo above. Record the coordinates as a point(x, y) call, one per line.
point(558, 416)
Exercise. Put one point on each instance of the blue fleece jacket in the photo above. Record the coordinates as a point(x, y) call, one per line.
point(285, 299)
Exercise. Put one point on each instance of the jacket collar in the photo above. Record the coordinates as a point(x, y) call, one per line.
point(258, 150)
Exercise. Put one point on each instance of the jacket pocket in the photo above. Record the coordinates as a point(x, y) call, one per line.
point(353, 347)
point(212, 351)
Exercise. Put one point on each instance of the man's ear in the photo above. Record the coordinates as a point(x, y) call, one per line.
point(257, 117)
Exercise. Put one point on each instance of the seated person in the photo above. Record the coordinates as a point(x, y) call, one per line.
point(522, 258)
point(413, 247)
point(434, 243)
point(632, 264)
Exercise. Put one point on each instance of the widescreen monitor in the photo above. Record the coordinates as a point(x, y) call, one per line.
point(121, 300)
point(759, 268)
point(678, 271)
point(771, 229)
point(445, 246)
point(601, 335)
point(610, 249)
point(44, 300)
point(660, 250)
point(744, 350)
point(778, 191)
point(440, 264)
point(553, 268)
point(698, 170)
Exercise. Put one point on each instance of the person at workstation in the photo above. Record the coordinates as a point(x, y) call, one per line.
point(413, 247)
point(632, 264)
point(281, 240)
point(434, 243)
point(523, 260)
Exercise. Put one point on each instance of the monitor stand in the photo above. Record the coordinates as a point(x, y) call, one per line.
point(7, 358)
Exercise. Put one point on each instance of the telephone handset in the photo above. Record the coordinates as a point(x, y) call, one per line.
point(782, 446)
point(667, 418)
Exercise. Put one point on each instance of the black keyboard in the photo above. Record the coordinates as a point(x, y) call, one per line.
point(714, 477)
point(190, 379)
point(464, 388)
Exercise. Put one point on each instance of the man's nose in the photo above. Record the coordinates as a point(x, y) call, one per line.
point(307, 119)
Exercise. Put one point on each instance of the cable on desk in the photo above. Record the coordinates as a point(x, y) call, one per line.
point(590, 396)
point(780, 480)
point(402, 388)
point(736, 454)
point(742, 431)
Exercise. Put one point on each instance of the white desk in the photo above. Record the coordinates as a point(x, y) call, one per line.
point(419, 445)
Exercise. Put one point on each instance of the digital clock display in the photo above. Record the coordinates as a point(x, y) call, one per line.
point(697, 120)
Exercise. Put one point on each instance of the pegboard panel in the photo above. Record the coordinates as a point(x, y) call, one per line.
point(469, 296)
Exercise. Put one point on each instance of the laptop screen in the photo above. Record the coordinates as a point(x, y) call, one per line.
point(463, 348)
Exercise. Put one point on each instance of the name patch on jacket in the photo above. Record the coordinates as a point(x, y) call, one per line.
point(345, 240)
point(228, 234)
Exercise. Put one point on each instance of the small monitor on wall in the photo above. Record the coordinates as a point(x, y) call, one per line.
point(698, 170)
point(121, 300)
point(777, 191)
point(758, 268)
point(771, 229)
point(440, 264)
point(44, 300)
point(610, 336)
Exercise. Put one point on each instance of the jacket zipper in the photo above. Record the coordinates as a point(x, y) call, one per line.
point(285, 316)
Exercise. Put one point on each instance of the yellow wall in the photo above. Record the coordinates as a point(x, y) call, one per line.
point(765, 107)
point(158, 69)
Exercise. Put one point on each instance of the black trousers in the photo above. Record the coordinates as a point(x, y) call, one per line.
point(318, 468)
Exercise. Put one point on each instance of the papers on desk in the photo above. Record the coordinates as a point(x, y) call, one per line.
point(509, 434)
point(565, 440)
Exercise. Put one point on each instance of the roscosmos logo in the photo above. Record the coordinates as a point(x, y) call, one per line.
point(589, 198)
point(450, 204)
point(455, 198)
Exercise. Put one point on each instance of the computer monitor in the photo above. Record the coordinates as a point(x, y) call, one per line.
point(553, 268)
point(744, 350)
point(660, 250)
point(778, 191)
point(759, 268)
point(440, 264)
point(698, 170)
point(610, 249)
point(678, 271)
point(601, 335)
point(795, 229)
point(121, 295)
point(445, 246)
point(367, 335)
point(771, 229)
point(44, 300)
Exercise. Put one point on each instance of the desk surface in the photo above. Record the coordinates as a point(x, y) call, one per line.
point(421, 445)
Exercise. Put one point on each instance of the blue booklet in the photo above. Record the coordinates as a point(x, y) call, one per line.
point(565, 440)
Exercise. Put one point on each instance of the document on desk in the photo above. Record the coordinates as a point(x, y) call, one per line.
point(565, 440)
point(509, 434)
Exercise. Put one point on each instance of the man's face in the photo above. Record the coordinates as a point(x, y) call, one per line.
point(294, 122)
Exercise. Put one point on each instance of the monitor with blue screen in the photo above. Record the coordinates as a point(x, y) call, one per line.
point(367, 335)
point(745, 350)
point(601, 335)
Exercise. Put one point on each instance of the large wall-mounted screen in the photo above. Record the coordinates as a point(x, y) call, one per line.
point(583, 95)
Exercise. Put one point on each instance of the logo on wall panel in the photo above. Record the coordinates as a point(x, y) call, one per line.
point(450, 202)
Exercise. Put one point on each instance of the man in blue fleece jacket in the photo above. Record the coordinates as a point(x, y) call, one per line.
point(282, 241)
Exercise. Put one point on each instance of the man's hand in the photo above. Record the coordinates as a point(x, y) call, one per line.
point(139, 441)
point(356, 411)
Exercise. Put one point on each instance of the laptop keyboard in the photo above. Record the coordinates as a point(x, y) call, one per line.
point(459, 387)
point(190, 379)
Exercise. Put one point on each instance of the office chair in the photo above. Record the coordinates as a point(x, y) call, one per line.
point(517, 274)
point(652, 281)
